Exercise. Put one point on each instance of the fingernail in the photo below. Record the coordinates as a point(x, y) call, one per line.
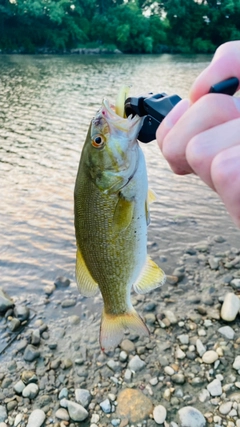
point(176, 113)
point(237, 102)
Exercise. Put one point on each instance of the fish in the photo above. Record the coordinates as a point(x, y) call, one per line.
point(111, 216)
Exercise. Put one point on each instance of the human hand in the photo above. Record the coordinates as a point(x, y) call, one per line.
point(201, 135)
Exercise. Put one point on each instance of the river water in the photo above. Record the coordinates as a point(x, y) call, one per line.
point(46, 105)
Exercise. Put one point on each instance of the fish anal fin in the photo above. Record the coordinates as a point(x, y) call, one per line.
point(151, 278)
point(113, 327)
point(123, 214)
point(86, 284)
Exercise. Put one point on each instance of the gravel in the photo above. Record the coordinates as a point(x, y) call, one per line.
point(186, 373)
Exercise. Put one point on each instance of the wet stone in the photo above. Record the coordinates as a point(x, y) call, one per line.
point(235, 283)
point(178, 378)
point(236, 364)
point(114, 366)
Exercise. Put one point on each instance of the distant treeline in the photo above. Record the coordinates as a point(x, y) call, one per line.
point(132, 26)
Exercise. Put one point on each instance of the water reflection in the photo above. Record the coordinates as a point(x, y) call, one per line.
point(46, 105)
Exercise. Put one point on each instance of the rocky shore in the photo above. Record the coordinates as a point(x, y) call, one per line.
point(186, 374)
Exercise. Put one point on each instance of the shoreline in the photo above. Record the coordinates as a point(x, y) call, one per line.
point(188, 369)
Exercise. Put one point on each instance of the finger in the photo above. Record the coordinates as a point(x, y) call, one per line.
point(225, 64)
point(171, 119)
point(225, 170)
point(208, 112)
point(204, 147)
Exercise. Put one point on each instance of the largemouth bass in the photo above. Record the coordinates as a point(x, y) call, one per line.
point(111, 204)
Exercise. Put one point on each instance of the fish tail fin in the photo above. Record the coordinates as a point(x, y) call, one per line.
point(114, 325)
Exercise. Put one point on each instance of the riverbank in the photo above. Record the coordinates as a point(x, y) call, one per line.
point(187, 373)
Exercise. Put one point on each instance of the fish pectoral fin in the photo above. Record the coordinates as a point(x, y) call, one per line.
point(151, 196)
point(86, 284)
point(151, 278)
point(114, 325)
point(123, 214)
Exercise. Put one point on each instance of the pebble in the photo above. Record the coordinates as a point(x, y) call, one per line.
point(5, 301)
point(136, 364)
point(68, 302)
point(21, 312)
point(31, 353)
point(37, 418)
point(179, 354)
point(62, 282)
point(30, 391)
point(191, 417)
point(63, 394)
point(133, 405)
point(215, 388)
point(77, 412)
point(106, 406)
point(227, 332)
point(236, 363)
point(18, 419)
point(159, 414)
point(62, 414)
point(83, 396)
point(201, 349)
point(171, 317)
point(235, 283)
point(3, 413)
point(127, 346)
point(184, 338)
point(123, 356)
point(210, 357)
point(230, 307)
point(14, 324)
point(225, 408)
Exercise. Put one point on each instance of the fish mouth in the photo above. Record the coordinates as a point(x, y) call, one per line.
point(131, 125)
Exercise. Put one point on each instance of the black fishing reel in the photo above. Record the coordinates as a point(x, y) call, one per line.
point(155, 107)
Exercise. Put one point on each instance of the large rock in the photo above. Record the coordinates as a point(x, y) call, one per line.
point(133, 405)
point(5, 301)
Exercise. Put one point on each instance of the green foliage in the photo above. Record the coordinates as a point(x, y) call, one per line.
point(136, 26)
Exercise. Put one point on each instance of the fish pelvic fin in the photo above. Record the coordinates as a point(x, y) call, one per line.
point(86, 284)
point(113, 327)
point(151, 278)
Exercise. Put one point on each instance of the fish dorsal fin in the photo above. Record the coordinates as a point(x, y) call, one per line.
point(151, 196)
point(86, 285)
point(123, 214)
point(151, 278)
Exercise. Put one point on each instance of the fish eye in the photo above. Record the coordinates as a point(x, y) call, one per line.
point(98, 141)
